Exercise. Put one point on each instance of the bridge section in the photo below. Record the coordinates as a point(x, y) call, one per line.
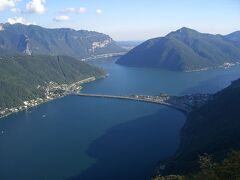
point(184, 104)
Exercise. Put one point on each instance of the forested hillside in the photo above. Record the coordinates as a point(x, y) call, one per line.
point(22, 75)
point(185, 50)
point(213, 129)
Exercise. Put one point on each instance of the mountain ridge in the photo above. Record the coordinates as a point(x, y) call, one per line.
point(183, 50)
point(37, 40)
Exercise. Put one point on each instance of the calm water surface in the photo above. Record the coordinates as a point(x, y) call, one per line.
point(93, 138)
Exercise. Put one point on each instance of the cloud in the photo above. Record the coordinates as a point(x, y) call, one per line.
point(99, 11)
point(36, 6)
point(5, 4)
point(69, 10)
point(16, 10)
point(61, 18)
point(20, 20)
point(80, 10)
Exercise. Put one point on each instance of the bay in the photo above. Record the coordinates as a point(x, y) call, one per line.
point(95, 138)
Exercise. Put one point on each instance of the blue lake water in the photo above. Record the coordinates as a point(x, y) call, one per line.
point(93, 138)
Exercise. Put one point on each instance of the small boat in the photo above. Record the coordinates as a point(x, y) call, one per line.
point(2, 132)
point(44, 116)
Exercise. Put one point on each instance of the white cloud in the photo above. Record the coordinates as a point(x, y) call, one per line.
point(61, 18)
point(99, 11)
point(16, 10)
point(69, 10)
point(80, 10)
point(20, 20)
point(36, 6)
point(4, 4)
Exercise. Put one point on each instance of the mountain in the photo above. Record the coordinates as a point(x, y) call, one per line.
point(212, 129)
point(184, 50)
point(21, 76)
point(36, 40)
point(234, 38)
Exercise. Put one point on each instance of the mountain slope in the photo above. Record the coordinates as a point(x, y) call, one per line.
point(212, 129)
point(21, 75)
point(22, 39)
point(234, 38)
point(183, 50)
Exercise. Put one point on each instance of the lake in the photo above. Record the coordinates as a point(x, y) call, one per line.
point(95, 138)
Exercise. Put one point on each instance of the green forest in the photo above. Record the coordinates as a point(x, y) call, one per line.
point(22, 75)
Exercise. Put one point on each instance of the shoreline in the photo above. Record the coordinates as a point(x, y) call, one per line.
point(224, 66)
point(76, 88)
point(12, 113)
point(103, 56)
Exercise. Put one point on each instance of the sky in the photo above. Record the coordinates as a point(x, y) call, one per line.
point(126, 20)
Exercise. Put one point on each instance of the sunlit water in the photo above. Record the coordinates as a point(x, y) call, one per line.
point(94, 138)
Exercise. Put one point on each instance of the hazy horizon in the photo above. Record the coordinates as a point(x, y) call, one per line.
point(126, 21)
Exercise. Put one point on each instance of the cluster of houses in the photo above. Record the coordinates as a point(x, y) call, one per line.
point(52, 91)
point(186, 103)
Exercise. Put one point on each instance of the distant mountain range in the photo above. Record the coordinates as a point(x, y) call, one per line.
point(185, 50)
point(36, 40)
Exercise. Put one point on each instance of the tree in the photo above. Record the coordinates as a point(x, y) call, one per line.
point(207, 168)
point(230, 167)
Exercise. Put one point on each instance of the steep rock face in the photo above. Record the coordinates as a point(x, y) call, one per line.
point(183, 50)
point(36, 40)
point(24, 45)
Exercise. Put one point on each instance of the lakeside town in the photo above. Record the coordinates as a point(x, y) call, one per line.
point(52, 91)
point(226, 65)
point(185, 103)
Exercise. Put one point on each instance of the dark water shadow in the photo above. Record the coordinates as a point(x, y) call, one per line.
point(132, 149)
